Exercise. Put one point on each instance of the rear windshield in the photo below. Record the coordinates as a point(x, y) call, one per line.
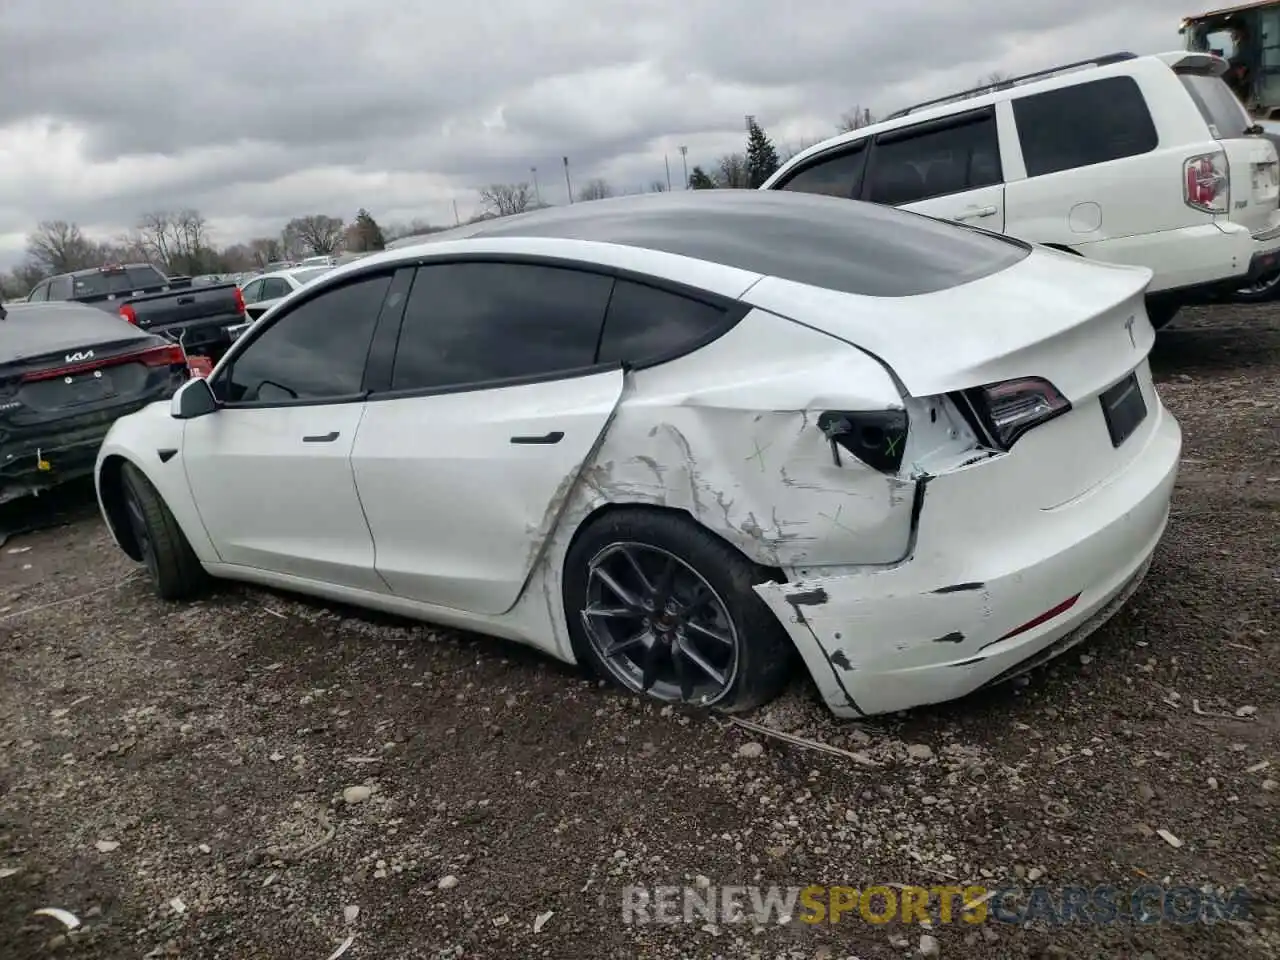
point(1221, 108)
point(116, 282)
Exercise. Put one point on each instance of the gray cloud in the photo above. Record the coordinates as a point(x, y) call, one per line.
point(257, 112)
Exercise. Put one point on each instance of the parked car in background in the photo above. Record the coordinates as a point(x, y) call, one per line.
point(265, 290)
point(1150, 161)
point(320, 261)
point(196, 317)
point(680, 437)
point(67, 371)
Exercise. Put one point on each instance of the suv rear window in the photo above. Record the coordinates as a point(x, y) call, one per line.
point(116, 282)
point(1221, 109)
point(1084, 124)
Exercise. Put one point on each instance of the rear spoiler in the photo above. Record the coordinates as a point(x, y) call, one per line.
point(1183, 61)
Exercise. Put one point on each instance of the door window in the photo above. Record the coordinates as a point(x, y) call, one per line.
point(836, 176)
point(273, 288)
point(40, 294)
point(314, 351)
point(252, 292)
point(1081, 125)
point(934, 159)
point(479, 322)
point(60, 289)
point(645, 324)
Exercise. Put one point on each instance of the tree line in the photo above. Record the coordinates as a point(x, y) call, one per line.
point(180, 243)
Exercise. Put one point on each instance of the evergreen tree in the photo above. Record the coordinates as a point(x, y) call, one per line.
point(366, 235)
point(698, 180)
point(762, 158)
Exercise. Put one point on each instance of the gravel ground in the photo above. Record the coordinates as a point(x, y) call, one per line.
point(175, 776)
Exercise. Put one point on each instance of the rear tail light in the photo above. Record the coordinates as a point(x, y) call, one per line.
point(1206, 183)
point(164, 356)
point(129, 314)
point(239, 300)
point(876, 437)
point(1012, 407)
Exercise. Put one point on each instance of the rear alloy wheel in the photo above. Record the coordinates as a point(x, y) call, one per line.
point(666, 609)
point(1260, 291)
point(172, 565)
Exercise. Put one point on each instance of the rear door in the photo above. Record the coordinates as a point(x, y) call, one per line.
point(491, 408)
point(1251, 159)
point(947, 168)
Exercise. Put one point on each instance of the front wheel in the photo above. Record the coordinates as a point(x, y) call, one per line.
point(172, 565)
point(664, 607)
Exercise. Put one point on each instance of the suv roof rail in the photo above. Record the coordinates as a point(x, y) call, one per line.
point(1103, 61)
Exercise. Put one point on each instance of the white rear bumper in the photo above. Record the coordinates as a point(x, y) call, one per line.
point(986, 562)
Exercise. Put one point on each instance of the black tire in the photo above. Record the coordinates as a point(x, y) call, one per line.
point(1162, 314)
point(763, 652)
point(174, 569)
point(1264, 290)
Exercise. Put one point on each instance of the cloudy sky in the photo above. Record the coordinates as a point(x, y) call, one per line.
point(256, 112)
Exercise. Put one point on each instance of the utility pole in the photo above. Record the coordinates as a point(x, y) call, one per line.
point(751, 118)
point(667, 161)
point(457, 220)
point(537, 194)
point(684, 158)
point(567, 185)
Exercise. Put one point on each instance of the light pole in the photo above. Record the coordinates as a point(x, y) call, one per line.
point(667, 161)
point(537, 194)
point(567, 185)
point(684, 158)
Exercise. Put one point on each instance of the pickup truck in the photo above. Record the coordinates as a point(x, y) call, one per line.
point(196, 317)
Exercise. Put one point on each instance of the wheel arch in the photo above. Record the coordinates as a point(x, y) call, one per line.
point(111, 497)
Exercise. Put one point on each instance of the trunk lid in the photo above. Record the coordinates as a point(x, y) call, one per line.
point(183, 307)
point(1051, 315)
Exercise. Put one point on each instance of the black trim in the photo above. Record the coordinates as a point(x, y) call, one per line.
point(386, 335)
point(329, 437)
point(166, 454)
point(938, 125)
point(555, 436)
point(492, 384)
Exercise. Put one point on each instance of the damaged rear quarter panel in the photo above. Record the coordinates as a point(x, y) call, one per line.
point(729, 434)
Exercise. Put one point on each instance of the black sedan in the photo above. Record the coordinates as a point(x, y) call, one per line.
point(67, 372)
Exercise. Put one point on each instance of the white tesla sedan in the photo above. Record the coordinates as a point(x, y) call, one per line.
point(679, 438)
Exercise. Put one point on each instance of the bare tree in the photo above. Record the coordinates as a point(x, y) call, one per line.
point(318, 233)
point(505, 199)
point(992, 79)
point(597, 189)
point(58, 247)
point(266, 250)
point(155, 234)
point(732, 172)
point(855, 119)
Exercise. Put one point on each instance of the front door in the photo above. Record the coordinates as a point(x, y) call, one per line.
point(270, 470)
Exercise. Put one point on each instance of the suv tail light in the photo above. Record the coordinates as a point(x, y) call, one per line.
point(239, 300)
point(1012, 407)
point(129, 314)
point(1206, 182)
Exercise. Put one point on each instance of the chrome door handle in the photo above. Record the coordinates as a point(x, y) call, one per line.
point(975, 213)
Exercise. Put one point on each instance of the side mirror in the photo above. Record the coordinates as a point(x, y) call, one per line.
point(193, 399)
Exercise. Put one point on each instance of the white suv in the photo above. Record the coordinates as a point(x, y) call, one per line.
point(1143, 160)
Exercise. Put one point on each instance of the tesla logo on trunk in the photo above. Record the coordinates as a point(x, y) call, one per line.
point(78, 357)
point(1128, 325)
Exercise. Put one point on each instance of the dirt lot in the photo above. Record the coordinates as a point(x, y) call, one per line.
point(174, 775)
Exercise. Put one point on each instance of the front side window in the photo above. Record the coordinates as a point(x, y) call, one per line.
point(40, 294)
point(1083, 124)
point(315, 351)
point(836, 176)
point(934, 159)
point(646, 324)
point(473, 323)
point(252, 292)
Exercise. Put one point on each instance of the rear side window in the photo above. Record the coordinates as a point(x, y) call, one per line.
point(645, 324)
point(473, 323)
point(275, 287)
point(1082, 125)
point(836, 176)
point(1221, 108)
point(934, 159)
